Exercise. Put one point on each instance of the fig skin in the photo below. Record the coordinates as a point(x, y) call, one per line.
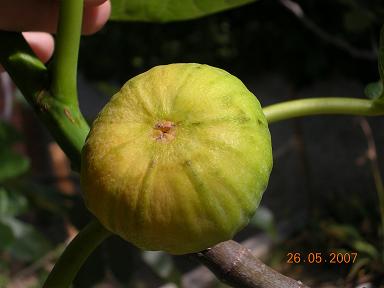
point(178, 159)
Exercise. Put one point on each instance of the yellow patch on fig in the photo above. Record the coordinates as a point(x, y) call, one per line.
point(178, 159)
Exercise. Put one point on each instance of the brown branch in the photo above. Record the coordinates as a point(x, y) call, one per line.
point(342, 44)
point(235, 265)
point(260, 245)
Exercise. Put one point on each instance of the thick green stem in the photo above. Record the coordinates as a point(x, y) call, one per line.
point(64, 66)
point(63, 118)
point(318, 106)
point(75, 255)
point(27, 71)
point(53, 94)
point(66, 124)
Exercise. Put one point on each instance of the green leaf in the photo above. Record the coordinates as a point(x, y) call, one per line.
point(374, 90)
point(381, 55)
point(365, 247)
point(44, 197)
point(169, 10)
point(350, 236)
point(8, 134)
point(163, 265)
point(11, 164)
point(28, 244)
point(263, 219)
point(118, 253)
point(160, 262)
point(357, 266)
point(380, 96)
point(3, 280)
point(341, 232)
point(6, 236)
point(358, 20)
point(11, 203)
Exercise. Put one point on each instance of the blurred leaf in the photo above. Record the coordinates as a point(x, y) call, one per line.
point(374, 90)
point(350, 236)
point(8, 134)
point(6, 236)
point(12, 164)
point(170, 10)
point(28, 244)
point(263, 219)
point(341, 232)
point(366, 248)
point(358, 20)
point(11, 203)
point(92, 271)
point(349, 3)
point(160, 262)
point(381, 54)
point(45, 197)
point(107, 88)
point(357, 266)
point(3, 280)
point(123, 258)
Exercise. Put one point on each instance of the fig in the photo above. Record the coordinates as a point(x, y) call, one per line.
point(178, 159)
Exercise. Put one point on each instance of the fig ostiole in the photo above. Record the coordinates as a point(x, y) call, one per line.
point(178, 159)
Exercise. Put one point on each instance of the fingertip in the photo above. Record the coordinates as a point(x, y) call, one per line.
point(94, 2)
point(41, 43)
point(96, 17)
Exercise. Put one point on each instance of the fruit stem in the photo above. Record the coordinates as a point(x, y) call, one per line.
point(317, 106)
point(23, 66)
point(75, 254)
point(63, 118)
point(64, 65)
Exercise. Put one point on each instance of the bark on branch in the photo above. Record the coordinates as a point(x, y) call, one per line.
point(235, 265)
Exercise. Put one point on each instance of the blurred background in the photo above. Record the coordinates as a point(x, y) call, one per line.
point(323, 191)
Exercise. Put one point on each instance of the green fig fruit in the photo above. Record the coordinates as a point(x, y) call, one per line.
point(178, 159)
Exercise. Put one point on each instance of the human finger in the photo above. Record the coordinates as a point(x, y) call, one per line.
point(42, 44)
point(42, 15)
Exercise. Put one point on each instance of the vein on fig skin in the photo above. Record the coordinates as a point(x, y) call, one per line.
point(242, 200)
point(214, 207)
point(179, 89)
point(222, 147)
point(143, 199)
point(213, 121)
point(182, 86)
point(101, 158)
point(117, 148)
point(141, 100)
point(191, 211)
point(125, 108)
point(121, 199)
point(212, 83)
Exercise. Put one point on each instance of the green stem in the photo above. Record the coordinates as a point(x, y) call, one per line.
point(64, 66)
point(55, 102)
point(66, 124)
point(27, 71)
point(318, 106)
point(63, 118)
point(75, 255)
